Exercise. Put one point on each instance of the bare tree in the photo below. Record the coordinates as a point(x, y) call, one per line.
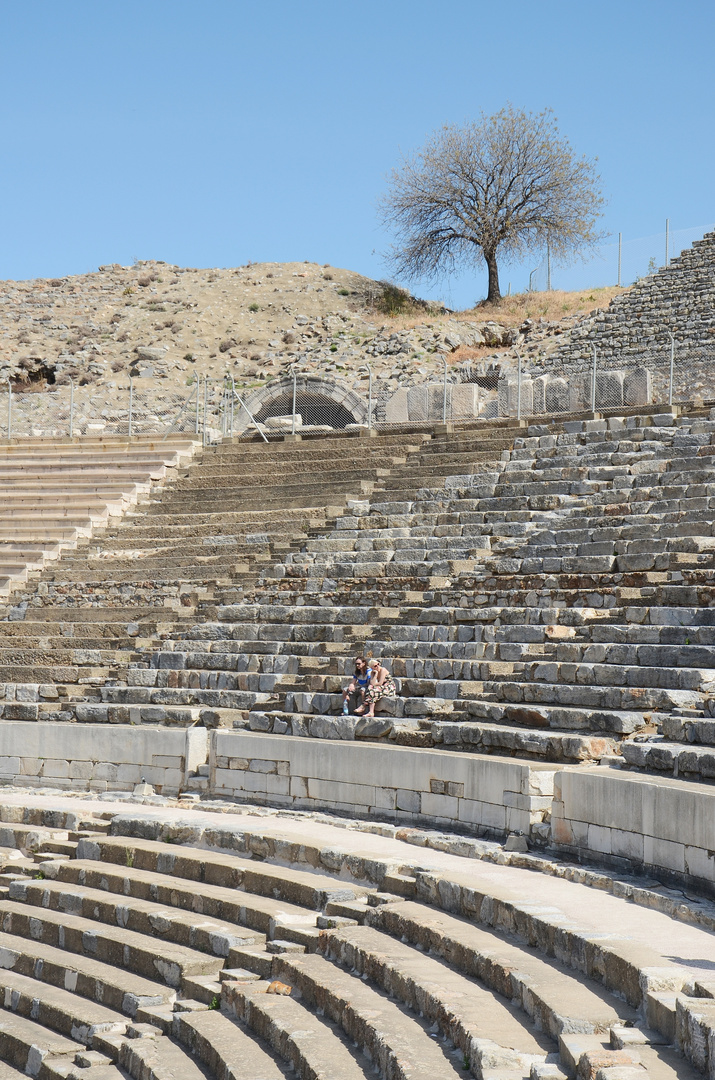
point(502, 185)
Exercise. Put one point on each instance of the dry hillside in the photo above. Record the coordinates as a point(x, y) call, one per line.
point(169, 322)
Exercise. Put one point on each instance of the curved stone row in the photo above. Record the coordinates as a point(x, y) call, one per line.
point(130, 956)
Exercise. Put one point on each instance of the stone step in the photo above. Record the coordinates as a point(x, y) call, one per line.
point(312, 1045)
point(672, 758)
point(305, 889)
point(140, 916)
point(399, 1044)
point(463, 995)
point(114, 987)
point(225, 1048)
point(117, 947)
point(57, 1009)
point(158, 1058)
point(30, 1047)
point(262, 915)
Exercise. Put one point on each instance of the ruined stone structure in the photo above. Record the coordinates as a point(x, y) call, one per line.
point(543, 597)
point(678, 299)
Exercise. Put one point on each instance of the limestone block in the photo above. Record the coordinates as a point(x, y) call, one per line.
point(407, 800)
point(299, 787)
point(527, 397)
point(103, 771)
point(330, 791)
point(539, 393)
point(397, 407)
point(638, 387)
point(609, 389)
point(465, 401)
point(10, 766)
point(667, 853)
point(27, 692)
point(56, 767)
point(418, 403)
point(385, 798)
point(580, 392)
point(20, 711)
point(80, 770)
point(442, 806)
point(557, 397)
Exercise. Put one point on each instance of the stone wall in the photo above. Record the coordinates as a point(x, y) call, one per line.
point(650, 822)
point(391, 783)
point(99, 757)
point(600, 814)
point(679, 299)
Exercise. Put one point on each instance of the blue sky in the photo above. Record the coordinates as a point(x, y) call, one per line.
point(210, 133)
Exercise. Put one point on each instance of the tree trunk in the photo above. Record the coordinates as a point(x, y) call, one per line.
point(494, 293)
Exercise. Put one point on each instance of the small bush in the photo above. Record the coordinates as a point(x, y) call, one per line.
point(128, 291)
point(393, 300)
point(145, 281)
point(253, 307)
point(188, 356)
point(343, 292)
point(229, 343)
point(327, 277)
point(333, 348)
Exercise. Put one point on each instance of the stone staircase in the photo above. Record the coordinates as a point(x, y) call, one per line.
point(551, 602)
point(133, 953)
point(71, 633)
point(56, 493)
point(543, 593)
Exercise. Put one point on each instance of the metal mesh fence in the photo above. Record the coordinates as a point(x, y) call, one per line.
point(537, 385)
point(513, 387)
point(139, 409)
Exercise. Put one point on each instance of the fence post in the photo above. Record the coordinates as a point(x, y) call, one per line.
point(548, 266)
point(593, 382)
point(368, 369)
point(295, 390)
point(444, 393)
point(667, 238)
point(672, 367)
point(198, 402)
point(71, 409)
point(206, 406)
point(620, 251)
point(9, 409)
point(518, 387)
point(131, 405)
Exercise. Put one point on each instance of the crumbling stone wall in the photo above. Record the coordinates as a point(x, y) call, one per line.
point(679, 299)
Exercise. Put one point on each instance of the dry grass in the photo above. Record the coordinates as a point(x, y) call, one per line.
point(513, 310)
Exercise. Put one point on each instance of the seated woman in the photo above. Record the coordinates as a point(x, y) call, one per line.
point(381, 685)
point(354, 693)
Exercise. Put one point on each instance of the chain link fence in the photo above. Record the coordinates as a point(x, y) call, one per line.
point(513, 387)
point(67, 411)
point(301, 404)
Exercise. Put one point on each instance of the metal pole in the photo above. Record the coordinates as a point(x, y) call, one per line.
point(71, 409)
point(9, 409)
point(368, 369)
point(198, 405)
point(444, 393)
point(531, 275)
point(478, 405)
point(593, 382)
point(548, 267)
point(518, 388)
point(131, 404)
point(620, 252)
point(206, 405)
point(667, 239)
point(672, 367)
point(295, 381)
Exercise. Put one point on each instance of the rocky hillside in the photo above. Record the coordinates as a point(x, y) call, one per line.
point(168, 323)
